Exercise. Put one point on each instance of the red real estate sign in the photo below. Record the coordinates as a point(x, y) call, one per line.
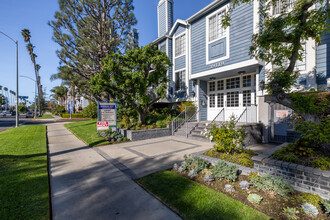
point(102, 125)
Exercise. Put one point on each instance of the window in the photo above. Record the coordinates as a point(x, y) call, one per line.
point(247, 81)
point(232, 99)
point(163, 47)
point(212, 100)
point(247, 98)
point(233, 83)
point(282, 6)
point(180, 80)
point(180, 45)
point(212, 86)
point(220, 85)
point(220, 100)
point(216, 29)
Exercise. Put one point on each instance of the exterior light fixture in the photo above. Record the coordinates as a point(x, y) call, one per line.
point(212, 78)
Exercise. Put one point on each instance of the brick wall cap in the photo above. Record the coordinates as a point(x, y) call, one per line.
point(293, 166)
point(285, 164)
point(278, 163)
point(258, 158)
point(326, 173)
point(308, 169)
point(317, 171)
point(300, 167)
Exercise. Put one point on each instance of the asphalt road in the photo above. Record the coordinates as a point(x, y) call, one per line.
point(9, 121)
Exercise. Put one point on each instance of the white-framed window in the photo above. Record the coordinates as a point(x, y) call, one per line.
point(216, 29)
point(212, 101)
point(233, 99)
point(220, 100)
point(233, 83)
point(247, 81)
point(281, 6)
point(246, 98)
point(220, 85)
point(180, 45)
point(212, 86)
point(180, 80)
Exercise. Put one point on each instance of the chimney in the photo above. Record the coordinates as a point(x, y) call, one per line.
point(165, 16)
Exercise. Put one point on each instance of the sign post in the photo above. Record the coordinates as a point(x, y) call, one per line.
point(106, 115)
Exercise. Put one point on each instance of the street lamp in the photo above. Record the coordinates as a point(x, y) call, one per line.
point(35, 95)
point(16, 42)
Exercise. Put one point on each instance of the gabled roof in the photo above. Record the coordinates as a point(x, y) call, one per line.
point(176, 24)
point(205, 10)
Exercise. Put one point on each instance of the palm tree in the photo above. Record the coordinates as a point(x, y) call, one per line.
point(26, 34)
point(6, 97)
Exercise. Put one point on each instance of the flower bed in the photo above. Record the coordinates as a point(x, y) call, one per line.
point(243, 158)
point(270, 195)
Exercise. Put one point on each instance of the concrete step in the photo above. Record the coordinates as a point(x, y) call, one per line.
point(199, 138)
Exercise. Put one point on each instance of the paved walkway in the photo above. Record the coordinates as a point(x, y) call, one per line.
point(86, 185)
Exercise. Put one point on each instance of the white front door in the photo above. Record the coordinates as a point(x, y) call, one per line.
point(233, 94)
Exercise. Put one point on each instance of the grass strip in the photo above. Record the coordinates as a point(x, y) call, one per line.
point(46, 116)
point(24, 192)
point(195, 201)
point(87, 132)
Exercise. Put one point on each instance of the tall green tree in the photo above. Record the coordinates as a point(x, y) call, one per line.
point(88, 30)
point(136, 79)
point(280, 43)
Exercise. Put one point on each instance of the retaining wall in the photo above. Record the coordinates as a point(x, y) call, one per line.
point(138, 135)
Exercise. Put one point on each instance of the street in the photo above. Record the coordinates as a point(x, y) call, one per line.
point(9, 121)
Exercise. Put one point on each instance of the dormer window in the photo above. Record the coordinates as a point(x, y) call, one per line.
point(216, 29)
point(180, 45)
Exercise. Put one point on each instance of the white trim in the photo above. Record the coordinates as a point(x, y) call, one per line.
point(185, 50)
point(177, 22)
point(186, 63)
point(246, 63)
point(256, 16)
point(207, 8)
point(207, 43)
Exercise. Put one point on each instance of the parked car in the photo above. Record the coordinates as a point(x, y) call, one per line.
point(29, 115)
point(4, 113)
point(13, 113)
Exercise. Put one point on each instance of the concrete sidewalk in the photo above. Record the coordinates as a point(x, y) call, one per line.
point(84, 185)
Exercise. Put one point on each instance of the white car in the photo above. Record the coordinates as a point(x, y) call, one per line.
point(4, 113)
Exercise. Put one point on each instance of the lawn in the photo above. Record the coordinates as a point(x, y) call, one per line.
point(24, 192)
point(86, 131)
point(46, 116)
point(195, 201)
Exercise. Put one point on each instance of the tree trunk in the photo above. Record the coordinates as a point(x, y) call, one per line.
point(142, 116)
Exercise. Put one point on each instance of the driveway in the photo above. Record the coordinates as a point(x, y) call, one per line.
point(140, 158)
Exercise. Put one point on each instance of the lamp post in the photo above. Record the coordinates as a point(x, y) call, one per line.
point(16, 43)
point(35, 95)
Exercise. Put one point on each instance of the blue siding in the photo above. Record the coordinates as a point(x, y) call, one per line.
point(323, 60)
point(241, 31)
point(203, 108)
point(179, 30)
point(170, 15)
point(180, 62)
point(217, 49)
point(162, 19)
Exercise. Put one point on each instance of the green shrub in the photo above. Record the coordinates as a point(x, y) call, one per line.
point(322, 163)
point(90, 111)
point(227, 138)
point(311, 198)
point(253, 175)
point(75, 115)
point(183, 105)
point(222, 170)
point(291, 213)
point(58, 110)
point(254, 198)
point(161, 124)
point(113, 136)
point(326, 206)
point(197, 164)
point(271, 184)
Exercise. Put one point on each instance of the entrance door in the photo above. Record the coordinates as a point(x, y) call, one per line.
point(234, 94)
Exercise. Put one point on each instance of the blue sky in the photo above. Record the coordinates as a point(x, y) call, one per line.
point(34, 15)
